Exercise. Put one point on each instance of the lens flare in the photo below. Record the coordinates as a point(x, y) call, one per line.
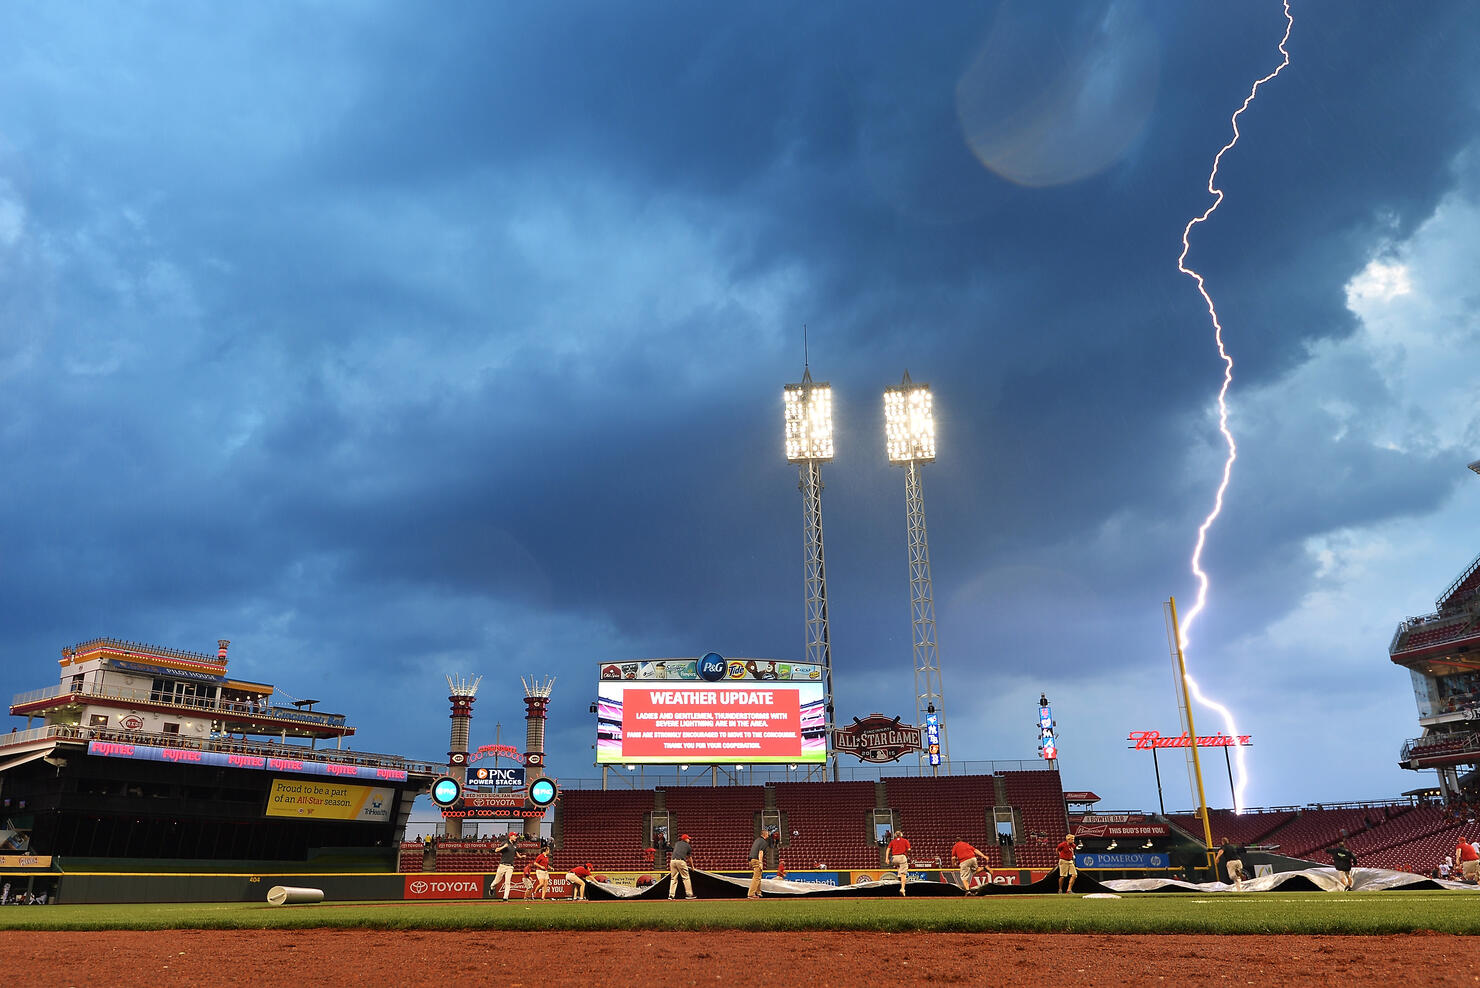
point(1202, 531)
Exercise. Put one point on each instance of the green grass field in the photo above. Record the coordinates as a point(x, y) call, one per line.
point(1293, 912)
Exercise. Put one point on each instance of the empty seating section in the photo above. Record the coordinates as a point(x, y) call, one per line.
point(410, 856)
point(604, 827)
point(722, 820)
point(934, 813)
point(1038, 797)
point(1240, 828)
point(1465, 587)
point(1317, 829)
point(1420, 854)
point(1443, 744)
point(832, 824)
point(1397, 829)
point(1422, 636)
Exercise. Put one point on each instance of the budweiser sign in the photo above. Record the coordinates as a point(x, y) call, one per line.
point(1122, 830)
point(1148, 740)
point(877, 738)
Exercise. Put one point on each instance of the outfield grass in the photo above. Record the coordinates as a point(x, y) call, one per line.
point(1287, 912)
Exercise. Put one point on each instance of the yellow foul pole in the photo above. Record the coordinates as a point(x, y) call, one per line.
point(1202, 800)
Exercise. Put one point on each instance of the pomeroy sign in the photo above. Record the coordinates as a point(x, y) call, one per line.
point(877, 738)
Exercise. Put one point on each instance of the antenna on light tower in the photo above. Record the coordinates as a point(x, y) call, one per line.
point(809, 444)
point(909, 439)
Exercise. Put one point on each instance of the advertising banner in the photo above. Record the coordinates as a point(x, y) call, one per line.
point(223, 759)
point(1121, 830)
point(1117, 862)
point(723, 722)
point(25, 860)
point(444, 887)
point(328, 801)
point(495, 777)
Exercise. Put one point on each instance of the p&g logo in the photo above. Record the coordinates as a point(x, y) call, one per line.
point(712, 667)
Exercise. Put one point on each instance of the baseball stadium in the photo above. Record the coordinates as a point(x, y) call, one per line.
point(150, 790)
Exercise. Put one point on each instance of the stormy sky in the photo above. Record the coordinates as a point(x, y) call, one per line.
point(393, 341)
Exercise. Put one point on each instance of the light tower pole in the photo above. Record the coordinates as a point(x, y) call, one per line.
point(461, 694)
point(909, 439)
point(809, 444)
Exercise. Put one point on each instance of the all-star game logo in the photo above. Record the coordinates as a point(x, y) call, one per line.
point(877, 738)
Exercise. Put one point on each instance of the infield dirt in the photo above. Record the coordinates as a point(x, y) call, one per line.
point(362, 957)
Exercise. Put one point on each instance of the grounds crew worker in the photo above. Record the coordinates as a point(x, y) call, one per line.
point(971, 861)
point(678, 868)
point(508, 854)
point(758, 862)
point(1230, 859)
point(1067, 872)
point(899, 850)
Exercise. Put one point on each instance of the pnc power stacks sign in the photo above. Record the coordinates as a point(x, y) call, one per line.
point(877, 738)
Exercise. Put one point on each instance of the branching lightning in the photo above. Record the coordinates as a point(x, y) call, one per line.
point(1202, 531)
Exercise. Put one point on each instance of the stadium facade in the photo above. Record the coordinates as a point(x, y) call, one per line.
point(142, 751)
point(1441, 652)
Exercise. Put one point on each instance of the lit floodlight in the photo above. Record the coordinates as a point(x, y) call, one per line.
point(809, 426)
point(909, 423)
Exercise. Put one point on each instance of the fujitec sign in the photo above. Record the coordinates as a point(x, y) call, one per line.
point(877, 738)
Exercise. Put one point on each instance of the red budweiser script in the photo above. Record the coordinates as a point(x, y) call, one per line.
point(1146, 740)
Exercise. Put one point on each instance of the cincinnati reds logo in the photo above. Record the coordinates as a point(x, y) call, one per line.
point(458, 757)
point(534, 758)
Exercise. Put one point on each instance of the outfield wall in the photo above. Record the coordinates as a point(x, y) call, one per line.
point(114, 887)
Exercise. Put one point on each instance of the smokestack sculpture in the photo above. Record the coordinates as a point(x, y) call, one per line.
point(536, 699)
point(461, 695)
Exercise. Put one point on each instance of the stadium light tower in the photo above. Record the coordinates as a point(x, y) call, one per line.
point(809, 444)
point(909, 439)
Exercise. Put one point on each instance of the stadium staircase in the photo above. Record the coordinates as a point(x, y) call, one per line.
point(1037, 796)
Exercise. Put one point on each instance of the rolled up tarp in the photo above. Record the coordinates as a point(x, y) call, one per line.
point(282, 894)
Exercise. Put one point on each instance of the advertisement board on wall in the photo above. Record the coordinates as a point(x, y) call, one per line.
point(1112, 862)
point(444, 887)
point(224, 759)
point(495, 777)
point(328, 801)
point(731, 718)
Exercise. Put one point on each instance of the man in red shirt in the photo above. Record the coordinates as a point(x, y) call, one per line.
point(542, 873)
point(577, 877)
point(1469, 860)
point(1067, 871)
point(899, 849)
point(971, 861)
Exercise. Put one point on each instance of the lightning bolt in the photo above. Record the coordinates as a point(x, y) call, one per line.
point(1202, 531)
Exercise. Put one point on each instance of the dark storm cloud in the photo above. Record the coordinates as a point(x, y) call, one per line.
point(352, 385)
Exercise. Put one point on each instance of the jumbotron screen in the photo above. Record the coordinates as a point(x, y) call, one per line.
point(741, 711)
